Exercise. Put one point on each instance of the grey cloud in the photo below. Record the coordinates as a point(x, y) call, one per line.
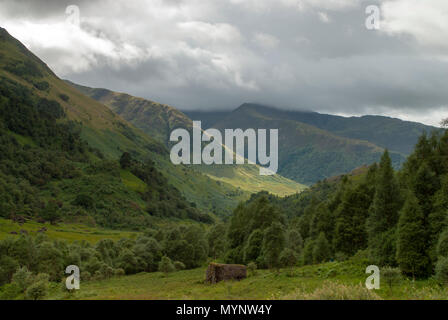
point(338, 66)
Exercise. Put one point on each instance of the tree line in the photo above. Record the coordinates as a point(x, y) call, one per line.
point(397, 218)
point(40, 259)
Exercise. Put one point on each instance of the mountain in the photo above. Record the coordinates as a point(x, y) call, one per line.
point(155, 119)
point(307, 154)
point(391, 133)
point(60, 146)
point(158, 120)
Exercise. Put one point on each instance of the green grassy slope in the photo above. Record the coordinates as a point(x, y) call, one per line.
point(155, 119)
point(306, 153)
point(333, 280)
point(158, 120)
point(69, 232)
point(109, 132)
point(102, 128)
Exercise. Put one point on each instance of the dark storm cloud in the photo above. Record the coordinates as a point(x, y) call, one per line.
point(296, 54)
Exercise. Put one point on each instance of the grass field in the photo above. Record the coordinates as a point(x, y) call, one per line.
point(69, 232)
point(334, 280)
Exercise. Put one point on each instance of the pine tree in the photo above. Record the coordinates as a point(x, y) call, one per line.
point(308, 251)
point(383, 214)
point(350, 231)
point(321, 250)
point(424, 185)
point(322, 221)
point(305, 220)
point(411, 240)
point(294, 241)
point(437, 219)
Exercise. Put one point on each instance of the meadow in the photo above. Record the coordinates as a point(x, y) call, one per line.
point(332, 280)
point(62, 231)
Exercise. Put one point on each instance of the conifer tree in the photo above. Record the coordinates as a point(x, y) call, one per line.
point(437, 219)
point(322, 221)
point(412, 256)
point(308, 251)
point(321, 250)
point(294, 241)
point(424, 185)
point(383, 214)
point(350, 231)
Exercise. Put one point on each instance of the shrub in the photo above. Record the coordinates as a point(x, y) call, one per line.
point(288, 258)
point(86, 275)
point(165, 265)
point(64, 97)
point(391, 276)
point(252, 268)
point(107, 271)
point(42, 85)
point(442, 270)
point(119, 272)
point(38, 290)
point(42, 277)
point(128, 262)
point(179, 265)
point(8, 266)
point(341, 256)
point(98, 275)
point(23, 278)
point(84, 200)
point(9, 291)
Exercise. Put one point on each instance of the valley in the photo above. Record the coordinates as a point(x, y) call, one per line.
point(86, 179)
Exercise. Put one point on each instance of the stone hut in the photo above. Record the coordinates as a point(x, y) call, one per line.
point(218, 272)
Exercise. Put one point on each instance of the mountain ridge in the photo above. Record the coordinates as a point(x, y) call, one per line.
point(107, 131)
point(150, 117)
point(355, 127)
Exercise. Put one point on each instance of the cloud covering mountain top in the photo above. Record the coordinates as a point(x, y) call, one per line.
point(296, 54)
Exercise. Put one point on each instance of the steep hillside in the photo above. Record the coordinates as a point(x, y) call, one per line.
point(158, 120)
point(155, 119)
point(42, 114)
point(306, 153)
point(101, 128)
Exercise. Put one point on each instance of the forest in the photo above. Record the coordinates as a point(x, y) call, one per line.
point(48, 172)
point(394, 219)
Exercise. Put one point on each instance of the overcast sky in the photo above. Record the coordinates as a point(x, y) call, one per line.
point(217, 54)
